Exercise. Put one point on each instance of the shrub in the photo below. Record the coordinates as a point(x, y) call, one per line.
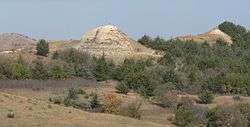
point(236, 98)
point(11, 114)
point(82, 71)
point(130, 66)
point(207, 62)
point(73, 93)
point(56, 100)
point(81, 91)
point(122, 88)
point(102, 70)
point(248, 89)
point(186, 101)
point(70, 102)
point(141, 83)
point(199, 113)
point(213, 84)
point(166, 97)
point(212, 117)
point(72, 98)
point(229, 116)
point(169, 76)
point(42, 48)
point(57, 72)
point(20, 60)
point(39, 70)
point(74, 56)
point(94, 102)
point(81, 64)
point(156, 43)
point(237, 82)
point(146, 40)
point(5, 68)
point(132, 110)
point(2, 76)
point(111, 103)
point(235, 31)
point(20, 71)
point(183, 116)
point(206, 97)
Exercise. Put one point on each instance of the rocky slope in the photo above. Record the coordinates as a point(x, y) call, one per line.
point(113, 43)
point(15, 42)
point(211, 37)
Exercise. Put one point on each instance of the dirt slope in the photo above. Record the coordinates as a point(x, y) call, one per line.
point(211, 37)
point(29, 113)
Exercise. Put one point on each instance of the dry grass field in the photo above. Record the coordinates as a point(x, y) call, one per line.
point(150, 112)
point(32, 108)
point(32, 112)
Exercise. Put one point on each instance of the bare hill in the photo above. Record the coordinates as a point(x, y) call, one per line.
point(113, 43)
point(15, 41)
point(211, 37)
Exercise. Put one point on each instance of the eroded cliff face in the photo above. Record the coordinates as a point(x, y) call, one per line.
point(113, 43)
point(107, 36)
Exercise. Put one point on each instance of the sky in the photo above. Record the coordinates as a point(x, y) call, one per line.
point(70, 19)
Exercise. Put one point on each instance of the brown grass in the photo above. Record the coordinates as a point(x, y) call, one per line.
point(41, 113)
point(30, 112)
point(150, 112)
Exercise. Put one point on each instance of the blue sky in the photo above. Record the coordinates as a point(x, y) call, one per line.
point(69, 19)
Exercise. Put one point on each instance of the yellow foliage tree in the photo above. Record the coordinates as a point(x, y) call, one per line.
point(112, 103)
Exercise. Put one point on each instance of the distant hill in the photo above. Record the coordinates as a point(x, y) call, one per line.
point(210, 37)
point(15, 41)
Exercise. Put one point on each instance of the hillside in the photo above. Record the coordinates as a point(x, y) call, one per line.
point(30, 112)
point(210, 37)
point(61, 45)
point(16, 42)
point(113, 43)
point(191, 85)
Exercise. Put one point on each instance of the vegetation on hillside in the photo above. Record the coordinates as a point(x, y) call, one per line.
point(220, 68)
point(187, 68)
point(239, 34)
point(186, 65)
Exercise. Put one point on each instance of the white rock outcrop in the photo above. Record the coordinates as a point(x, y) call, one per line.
point(113, 43)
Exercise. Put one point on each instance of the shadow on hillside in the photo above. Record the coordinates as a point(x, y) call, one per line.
point(45, 84)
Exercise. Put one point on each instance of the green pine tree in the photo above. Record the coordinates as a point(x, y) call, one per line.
point(101, 70)
point(42, 48)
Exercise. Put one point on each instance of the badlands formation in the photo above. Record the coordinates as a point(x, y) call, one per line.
point(107, 40)
point(111, 42)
